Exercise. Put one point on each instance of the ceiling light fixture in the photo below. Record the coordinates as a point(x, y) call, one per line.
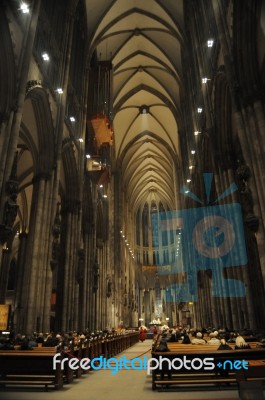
point(144, 109)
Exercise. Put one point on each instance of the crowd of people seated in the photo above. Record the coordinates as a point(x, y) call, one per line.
point(52, 339)
point(223, 338)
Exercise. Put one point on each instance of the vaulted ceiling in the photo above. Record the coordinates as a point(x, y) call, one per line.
point(144, 41)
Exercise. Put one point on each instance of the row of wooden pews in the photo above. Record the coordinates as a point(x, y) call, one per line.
point(30, 367)
point(183, 378)
point(36, 367)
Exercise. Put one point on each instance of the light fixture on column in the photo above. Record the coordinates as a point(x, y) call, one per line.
point(210, 43)
point(24, 8)
point(45, 56)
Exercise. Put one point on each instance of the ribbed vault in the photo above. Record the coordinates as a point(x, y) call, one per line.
point(138, 37)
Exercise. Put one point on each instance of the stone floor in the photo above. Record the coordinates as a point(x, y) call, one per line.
point(126, 384)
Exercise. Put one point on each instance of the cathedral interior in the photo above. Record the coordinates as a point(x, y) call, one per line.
point(132, 138)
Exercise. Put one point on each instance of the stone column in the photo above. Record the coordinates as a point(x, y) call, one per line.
point(87, 291)
point(4, 140)
point(34, 254)
point(29, 278)
point(73, 265)
point(90, 274)
point(82, 281)
point(66, 269)
point(10, 147)
point(44, 276)
point(19, 308)
point(4, 274)
point(50, 248)
point(225, 303)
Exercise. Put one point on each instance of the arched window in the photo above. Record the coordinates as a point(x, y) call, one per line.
point(145, 223)
point(155, 226)
point(138, 236)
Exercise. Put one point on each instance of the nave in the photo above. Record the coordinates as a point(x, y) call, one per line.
point(126, 384)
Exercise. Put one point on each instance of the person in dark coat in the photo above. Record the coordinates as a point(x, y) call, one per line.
point(165, 367)
point(154, 331)
point(224, 345)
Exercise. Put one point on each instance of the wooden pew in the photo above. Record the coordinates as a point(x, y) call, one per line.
point(255, 371)
point(35, 367)
point(30, 368)
point(198, 377)
point(251, 381)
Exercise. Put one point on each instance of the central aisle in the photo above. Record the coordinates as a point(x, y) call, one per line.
point(125, 385)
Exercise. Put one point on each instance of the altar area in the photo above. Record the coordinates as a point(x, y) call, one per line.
point(155, 322)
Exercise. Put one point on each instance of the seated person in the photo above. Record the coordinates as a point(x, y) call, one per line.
point(241, 343)
point(40, 339)
point(186, 339)
point(25, 343)
point(163, 338)
point(214, 338)
point(6, 344)
point(178, 334)
point(172, 336)
point(231, 338)
point(51, 341)
point(224, 345)
point(198, 339)
point(165, 365)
